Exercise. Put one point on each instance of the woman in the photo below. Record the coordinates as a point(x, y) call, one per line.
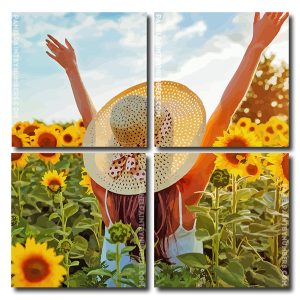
point(174, 223)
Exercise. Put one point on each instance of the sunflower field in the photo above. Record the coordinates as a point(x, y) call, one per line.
point(243, 222)
point(39, 134)
point(273, 133)
point(242, 218)
point(57, 229)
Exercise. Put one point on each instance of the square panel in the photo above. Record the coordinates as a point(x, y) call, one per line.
point(79, 79)
point(221, 222)
point(221, 80)
point(75, 223)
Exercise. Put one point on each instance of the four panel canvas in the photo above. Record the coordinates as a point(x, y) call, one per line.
point(221, 220)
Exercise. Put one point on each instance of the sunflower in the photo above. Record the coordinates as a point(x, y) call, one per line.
point(69, 137)
point(278, 164)
point(57, 128)
point(80, 125)
point(283, 140)
point(244, 123)
point(52, 158)
point(86, 181)
point(237, 137)
point(36, 266)
point(253, 168)
point(275, 133)
point(268, 139)
point(232, 162)
point(18, 126)
point(278, 125)
point(30, 128)
point(45, 137)
point(19, 160)
point(18, 139)
point(54, 181)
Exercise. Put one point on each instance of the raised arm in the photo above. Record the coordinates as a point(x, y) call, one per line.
point(264, 31)
point(65, 56)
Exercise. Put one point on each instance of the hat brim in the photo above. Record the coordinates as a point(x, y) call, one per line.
point(99, 132)
point(98, 166)
point(171, 167)
point(187, 113)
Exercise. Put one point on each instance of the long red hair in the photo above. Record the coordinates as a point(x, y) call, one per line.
point(164, 205)
point(130, 209)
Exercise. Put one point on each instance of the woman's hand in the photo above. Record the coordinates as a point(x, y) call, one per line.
point(64, 55)
point(266, 28)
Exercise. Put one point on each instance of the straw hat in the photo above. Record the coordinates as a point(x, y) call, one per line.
point(121, 173)
point(171, 167)
point(179, 118)
point(179, 121)
point(122, 122)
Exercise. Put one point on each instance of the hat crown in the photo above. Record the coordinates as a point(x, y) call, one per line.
point(128, 121)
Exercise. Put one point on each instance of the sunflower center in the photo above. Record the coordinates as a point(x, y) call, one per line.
point(47, 140)
point(47, 154)
point(68, 138)
point(243, 124)
point(16, 156)
point(35, 269)
point(270, 129)
point(236, 158)
point(54, 185)
point(252, 169)
point(237, 142)
point(279, 127)
point(29, 130)
point(251, 128)
point(81, 124)
point(285, 166)
point(16, 141)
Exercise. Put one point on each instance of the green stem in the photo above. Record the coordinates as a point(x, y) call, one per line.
point(19, 195)
point(61, 204)
point(66, 263)
point(217, 228)
point(118, 258)
point(255, 251)
point(240, 245)
point(276, 219)
point(233, 210)
point(217, 239)
point(210, 277)
point(137, 242)
point(97, 239)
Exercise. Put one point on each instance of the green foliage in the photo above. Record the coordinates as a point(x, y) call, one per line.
point(119, 233)
point(70, 222)
point(220, 178)
point(239, 249)
point(173, 276)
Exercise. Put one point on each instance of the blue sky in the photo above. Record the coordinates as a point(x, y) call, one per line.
point(200, 50)
point(111, 53)
point(203, 50)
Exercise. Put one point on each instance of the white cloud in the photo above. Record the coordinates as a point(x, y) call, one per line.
point(45, 92)
point(208, 68)
point(168, 22)
point(197, 29)
point(132, 28)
